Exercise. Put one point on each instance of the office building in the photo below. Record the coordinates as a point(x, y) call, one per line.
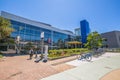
point(30, 30)
point(77, 32)
point(112, 39)
point(85, 30)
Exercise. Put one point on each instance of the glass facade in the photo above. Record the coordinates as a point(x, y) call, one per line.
point(30, 30)
point(77, 32)
point(32, 33)
point(25, 31)
point(85, 30)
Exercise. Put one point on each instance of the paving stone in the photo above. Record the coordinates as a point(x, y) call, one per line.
point(20, 68)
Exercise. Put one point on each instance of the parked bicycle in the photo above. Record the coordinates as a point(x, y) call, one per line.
point(98, 52)
point(86, 56)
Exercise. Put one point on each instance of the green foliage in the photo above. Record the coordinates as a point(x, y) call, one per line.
point(5, 31)
point(28, 46)
point(113, 50)
point(53, 54)
point(94, 40)
point(1, 55)
point(4, 43)
point(11, 41)
point(5, 28)
point(7, 41)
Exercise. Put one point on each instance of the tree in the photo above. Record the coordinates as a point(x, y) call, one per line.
point(5, 28)
point(7, 40)
point(28, 46)
point(94, 40)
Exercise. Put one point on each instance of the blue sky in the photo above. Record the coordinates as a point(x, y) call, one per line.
point(102, 15)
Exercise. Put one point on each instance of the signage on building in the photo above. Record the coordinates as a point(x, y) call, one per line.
point(18, 38)
point(42, 34)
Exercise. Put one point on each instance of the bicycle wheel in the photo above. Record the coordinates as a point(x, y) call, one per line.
point(78, 57)
point(88, 58)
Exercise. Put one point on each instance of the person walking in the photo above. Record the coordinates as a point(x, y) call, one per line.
point(31, 52)
point(36, 52)
point(38, 57)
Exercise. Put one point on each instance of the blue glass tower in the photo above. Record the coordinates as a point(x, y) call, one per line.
point(85, 30)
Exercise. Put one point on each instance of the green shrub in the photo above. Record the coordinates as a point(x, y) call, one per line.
point(70, 51)
point(1, 55)
point(65, 52)
point(113, 50)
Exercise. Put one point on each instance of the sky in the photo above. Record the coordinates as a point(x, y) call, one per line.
point(102, 15)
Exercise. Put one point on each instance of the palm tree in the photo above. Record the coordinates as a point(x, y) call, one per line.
point(5, 28)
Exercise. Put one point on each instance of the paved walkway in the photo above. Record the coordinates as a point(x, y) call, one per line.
point(81, 62)
point(90, 71)
point(113, 75)
point(19, 68)
point(14, 67)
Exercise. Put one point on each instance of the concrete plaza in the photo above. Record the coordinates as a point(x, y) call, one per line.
point(94, 70)
point(17, 67)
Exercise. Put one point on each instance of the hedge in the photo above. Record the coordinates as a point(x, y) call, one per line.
point(55, 54)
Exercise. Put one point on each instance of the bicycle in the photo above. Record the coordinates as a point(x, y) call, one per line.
point(86, 56)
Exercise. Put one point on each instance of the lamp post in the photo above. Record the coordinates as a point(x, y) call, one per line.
point(42, 44)
point(18, 40)
point(18, 44)
point(43, 58)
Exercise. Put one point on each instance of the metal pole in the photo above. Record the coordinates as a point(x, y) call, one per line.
point(42, 44)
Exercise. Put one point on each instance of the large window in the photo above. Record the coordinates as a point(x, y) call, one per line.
point(29, 32)
point(57, 36)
